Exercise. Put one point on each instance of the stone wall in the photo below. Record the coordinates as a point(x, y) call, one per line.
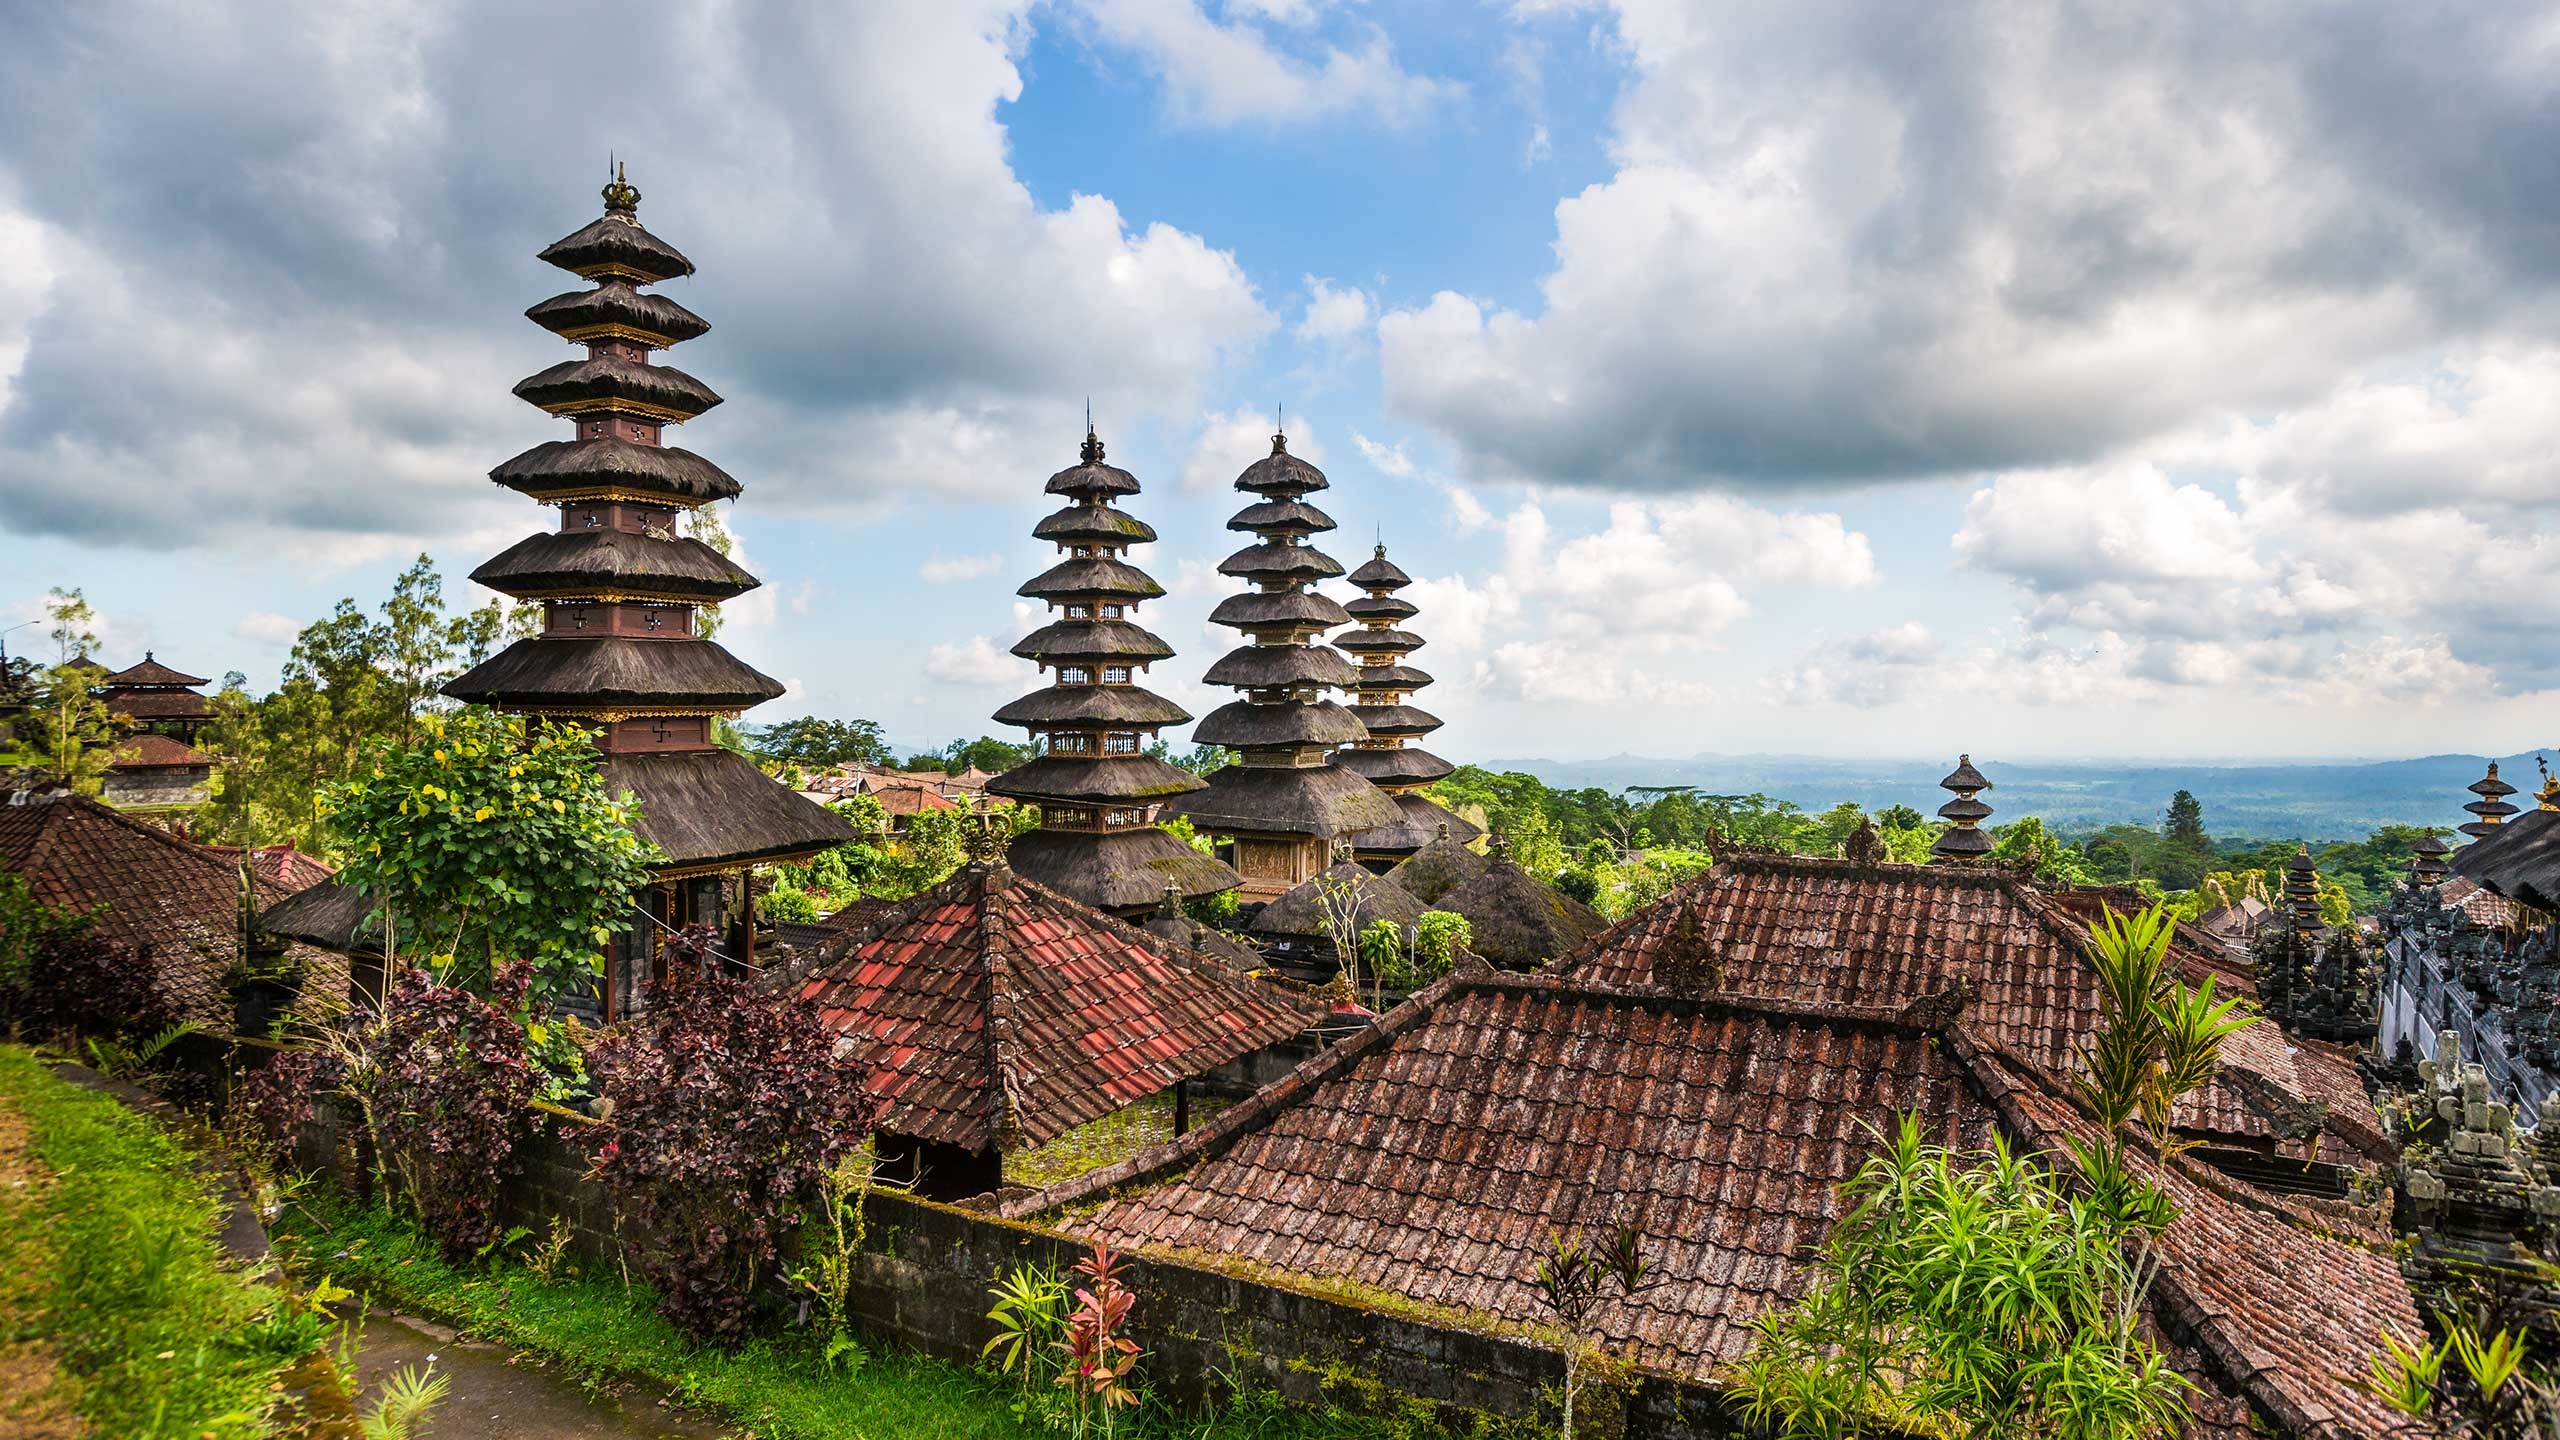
point(926, 1268)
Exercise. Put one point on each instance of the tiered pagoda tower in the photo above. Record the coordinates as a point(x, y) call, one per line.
point(2428, 867)
point(1964, 838)
point(153, 697)
point(2491, 810)
point(1096, 786)
point(1383, 686)
point(619, 588)
point(2302, 891)
point(1283, 805)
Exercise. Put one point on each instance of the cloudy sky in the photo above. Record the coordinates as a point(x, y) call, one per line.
point(2146, 379)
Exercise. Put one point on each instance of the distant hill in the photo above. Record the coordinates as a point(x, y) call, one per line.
point(2341, 800)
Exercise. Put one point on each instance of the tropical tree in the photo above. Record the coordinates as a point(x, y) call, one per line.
point(76, 734)
point(814, 742)
point(492, 839)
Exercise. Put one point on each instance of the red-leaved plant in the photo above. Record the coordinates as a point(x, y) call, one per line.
point(1100, 1355)
point(453, 1091)
point(727, 1103)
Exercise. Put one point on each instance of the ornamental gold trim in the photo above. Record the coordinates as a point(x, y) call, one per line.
point(642, 408)
point(608, 330)
point(608, 597)
point(616, 270)
point(611, 494)
point(620, 713)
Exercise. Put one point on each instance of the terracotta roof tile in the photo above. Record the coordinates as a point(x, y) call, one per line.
point(991, 986)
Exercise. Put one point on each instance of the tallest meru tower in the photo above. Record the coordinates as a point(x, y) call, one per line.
point(619, 587)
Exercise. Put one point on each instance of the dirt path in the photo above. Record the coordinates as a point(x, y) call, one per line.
point(493, 1399)
point(32, 1406)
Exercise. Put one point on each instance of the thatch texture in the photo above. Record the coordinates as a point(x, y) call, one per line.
point(1423, 824)
point(605, 462)
point(1275, 564)
point(1385, 720)
point(1381, 607)
point(331, 915)
point(1119, 870)
point(707, 807)
point(1242, 725)
point(1097, 577)
point(1281, 517)
point(615, 240)
point(1093, 525)
point(1258, 799)
point(1281, 474)
point(1058, 705)
point(1252, 610)
point(1403, 765)
point(1441, 866)
point(1520, 921)
point(1092, 480)
point(1379, 642)
point(560, 563)
point(1094, 780)
point(2519, 859)
point(1271, 667)
point(1299, 914)
point(605, 377)
point(615, 302)
point(613, 670)
point(1095, 640)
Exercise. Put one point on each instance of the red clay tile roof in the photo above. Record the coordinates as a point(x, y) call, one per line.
point(287, 865)
point(1430, 1156)
point(1818, 931)
point(171, 900)
point(152, 672)
point(158, 704)
point(911, 800)
point(991, 993)
point(148, 751)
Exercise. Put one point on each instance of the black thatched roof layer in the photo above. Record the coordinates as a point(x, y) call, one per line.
point(1959, 841)
point(1096, 577)
point(615, 302)
point(1384, 721)
point(617, 242)
point(1120, 870)
point(1089, 779)
point(1382, 607)
point(1964, 776)
point(1242, 725)
point(1269, 799)
point(601, 379)
point(2519, 859)
point(708, 807)
point(1380, 573)
point(615, 670)
point(1091, 640)
point(1092, 480)
point(1403, 765)
point(331, 915)
point(1299, 914)
point(1391, 677)
point(1281, 474)
point(1275, 564)
point(1520, 922)
point(1281, 517)
point(1379, 642)
point(591, 562)
point(1093, 525)
point(1091, 704)
point(1423, 825)
point(1265, 667)
point(558, 466)
point(1276, 609)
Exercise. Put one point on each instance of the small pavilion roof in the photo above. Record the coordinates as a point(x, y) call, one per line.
point(994, 1012)
point(150, 673)
point(1299, 913)
point(1441, 866)
point(149, 751)
point(1519, 920)
point(1380, 573)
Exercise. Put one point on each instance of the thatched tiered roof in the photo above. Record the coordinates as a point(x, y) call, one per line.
point(1299, 914)
point(1441, 866)
point(1519, 921)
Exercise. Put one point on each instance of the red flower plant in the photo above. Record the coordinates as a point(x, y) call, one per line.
point(1099, 1357)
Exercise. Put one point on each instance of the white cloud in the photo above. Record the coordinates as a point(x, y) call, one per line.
point(942, 569)
point(2007, 239)
point(1875, 669)
point(1334, 314)
point(265, 627)
point(1230, 441)
point(1237, 72)
point(974, 661)
point(1390, 459)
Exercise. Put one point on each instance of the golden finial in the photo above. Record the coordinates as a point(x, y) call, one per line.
point(620, 196)
point(2549, 794)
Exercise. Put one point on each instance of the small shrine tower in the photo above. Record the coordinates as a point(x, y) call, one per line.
point(618, 652)
point(1096, 786)
point(2491, 810)
point(1964, 838)
point(1280, 808)
point(1383, 687)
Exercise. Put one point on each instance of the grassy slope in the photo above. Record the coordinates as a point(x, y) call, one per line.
point(113, 1266)
point(594, 1328)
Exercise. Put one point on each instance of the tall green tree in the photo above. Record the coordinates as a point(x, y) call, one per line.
point(490, 840)
point(811, 741)
point(75, 734)
point(984, 753)
point(2184, 824)
point(350, 678)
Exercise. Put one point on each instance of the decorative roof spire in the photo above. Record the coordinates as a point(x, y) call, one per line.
point(2491, 808)
point(621, 197)
point(1091, 454)
point(1965, 839)
point(2427, 867)
point(2548, 793)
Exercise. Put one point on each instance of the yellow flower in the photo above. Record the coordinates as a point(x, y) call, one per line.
point(439, 757)
point(484, 813)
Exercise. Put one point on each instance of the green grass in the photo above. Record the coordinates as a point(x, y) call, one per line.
point(595, 1330)
point(111, 1264)
point(1107, 1141)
